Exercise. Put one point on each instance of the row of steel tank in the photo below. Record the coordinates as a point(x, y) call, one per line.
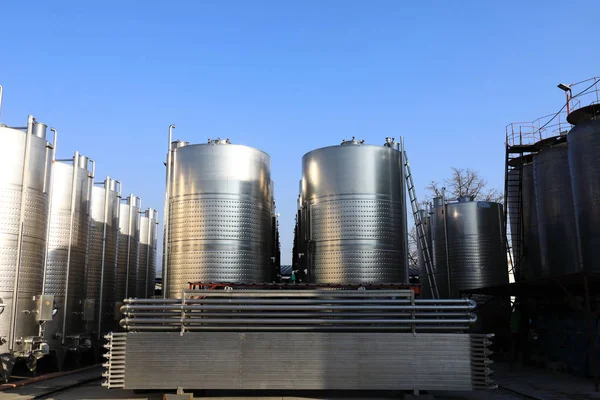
point(559, 210)
point(351, 225)
point(63, 244)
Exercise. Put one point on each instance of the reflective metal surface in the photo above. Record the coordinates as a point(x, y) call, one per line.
point(353, 214)
point(24, 185)
point(126, 277)
point(556, 214)
point(148, 241)
point(320, 360)
point(476, 250)
point(219, 215)
point(64, 277)
point(527, 252)
point(584, 162)
point(100, 276)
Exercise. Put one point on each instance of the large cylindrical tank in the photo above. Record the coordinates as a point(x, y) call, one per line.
point(354, 206)
point(423, 276)
point(475, 255)
point(128, 251)
point(555, 212)
point(584, 162)
point(25, 167)
point(218, 219)
point(102, 259)
point(525, 244)
point(64, 277)
point(147, 263)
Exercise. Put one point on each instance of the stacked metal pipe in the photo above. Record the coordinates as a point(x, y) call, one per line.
point(297, 310)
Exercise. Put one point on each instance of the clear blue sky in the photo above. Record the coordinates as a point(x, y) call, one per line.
point(288, 77)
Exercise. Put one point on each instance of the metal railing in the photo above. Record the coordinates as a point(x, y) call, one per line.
point(584, 93)
point(529, 133)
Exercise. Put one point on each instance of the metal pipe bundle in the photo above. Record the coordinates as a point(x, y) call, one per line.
point(297, 310)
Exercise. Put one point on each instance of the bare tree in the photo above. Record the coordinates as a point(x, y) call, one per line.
point(413, 252)
point(465, 182)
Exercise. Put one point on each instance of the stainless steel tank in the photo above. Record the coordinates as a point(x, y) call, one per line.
point(354, 210)
point(526, 246)
point(475, 254)
point(147, 263)
point(423, 278)
point(584, 163)
point(102, 259)
point(25, 169)
point(559, 246)
point(218, 223)
point(65, 270)
point(128, 250)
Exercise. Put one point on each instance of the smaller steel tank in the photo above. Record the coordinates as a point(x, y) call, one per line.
point(128, 249)
point(584, 162)
point(65, 267)
point(468, 245)
point(559, 247)
point(147, 261)
point(102, 259)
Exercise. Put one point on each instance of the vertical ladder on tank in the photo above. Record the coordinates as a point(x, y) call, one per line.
point(414, 204)
point(517, 146)
point(513, 189)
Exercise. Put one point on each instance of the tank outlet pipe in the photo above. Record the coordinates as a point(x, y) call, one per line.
point(317, 328)
point(167, 215)
point(149, 238)
point(311, 301)
point(25, 184)
point(51, 186)
point(445, 211)
point(470, 303)
point(318, 307)
point(130, 203)
point(404, 213)
point(50, 148)
point(70, 246)
point(129, 323)
point(103, 257)
point(133, 315)
point(91, 176)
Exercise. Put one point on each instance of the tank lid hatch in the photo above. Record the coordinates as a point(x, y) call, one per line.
point(218, 141)
point(352, 141)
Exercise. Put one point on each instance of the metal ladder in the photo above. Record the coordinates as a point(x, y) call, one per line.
point(513, 203)
point(414, 204)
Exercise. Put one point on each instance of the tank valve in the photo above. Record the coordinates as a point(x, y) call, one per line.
point(57, 335)
point(3, 340)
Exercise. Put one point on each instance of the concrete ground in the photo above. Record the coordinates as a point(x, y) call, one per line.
point(519, 384)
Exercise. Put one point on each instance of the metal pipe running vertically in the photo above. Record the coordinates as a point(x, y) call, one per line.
point(130, 232)
point(24, 183)
point(103, 257)
point(150, 220)
point(404, 213)
point(70, 246)
point(445, 212)
point(167, 215)
point(48, 219)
